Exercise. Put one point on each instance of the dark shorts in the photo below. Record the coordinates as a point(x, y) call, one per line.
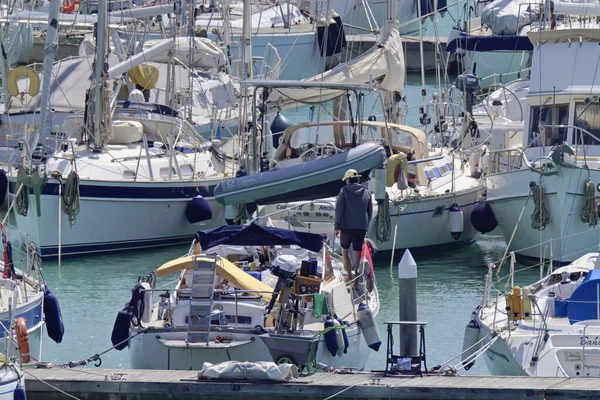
point(356, 237)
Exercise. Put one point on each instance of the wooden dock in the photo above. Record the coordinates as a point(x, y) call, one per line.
point(113, 384)
point(362, 42)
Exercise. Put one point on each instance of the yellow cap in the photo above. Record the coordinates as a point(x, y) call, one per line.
point(351, 173)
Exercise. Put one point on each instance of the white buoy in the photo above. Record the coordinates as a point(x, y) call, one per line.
point(455, 220)
point(407, 278)
point(470, 342)
point(380, 184)
point(147, 300)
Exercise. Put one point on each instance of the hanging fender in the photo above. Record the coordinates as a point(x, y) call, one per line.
point(22, 339)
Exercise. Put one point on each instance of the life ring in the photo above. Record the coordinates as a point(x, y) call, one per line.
point(68, 7)
point(22, 339)
point(24, 72)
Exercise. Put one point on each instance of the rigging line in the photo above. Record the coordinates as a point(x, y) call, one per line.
point(52, 386)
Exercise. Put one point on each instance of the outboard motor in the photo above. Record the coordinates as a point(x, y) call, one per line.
point(284, 269)
point(468, 84)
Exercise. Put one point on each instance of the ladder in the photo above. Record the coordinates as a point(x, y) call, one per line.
point(201, 299)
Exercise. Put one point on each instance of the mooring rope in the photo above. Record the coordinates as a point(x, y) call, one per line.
point(70, 197)
point(22, 201)
point(52, 386)
point(589, 211)
point(383, 220)
point(541, 215)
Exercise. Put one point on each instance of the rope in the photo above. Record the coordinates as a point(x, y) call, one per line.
point(589, 211)
point(53, 387)
point(22, 201)
point(384, 222)
point(95, 357)
point(241, 215)
point(341, 391)
point(541, 215)
point(70, 197)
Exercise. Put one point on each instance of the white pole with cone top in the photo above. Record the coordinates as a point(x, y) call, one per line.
point(407, 276)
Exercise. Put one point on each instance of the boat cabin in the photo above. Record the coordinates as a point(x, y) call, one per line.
point(564, 99)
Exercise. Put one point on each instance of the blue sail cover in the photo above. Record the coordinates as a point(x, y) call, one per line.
point(490, 43)
point(256, 235)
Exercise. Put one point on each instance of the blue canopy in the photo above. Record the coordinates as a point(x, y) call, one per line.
point(490, 43)
point(256, 235)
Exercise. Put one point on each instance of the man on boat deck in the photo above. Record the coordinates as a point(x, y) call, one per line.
point(353, 211)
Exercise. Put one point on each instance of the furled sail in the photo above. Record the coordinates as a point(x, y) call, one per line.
point(384, 63)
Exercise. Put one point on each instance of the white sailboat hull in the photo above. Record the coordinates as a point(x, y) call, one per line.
point(139, 216)
point(9, 380)
point(432, 213)
point(566, 236)
point(163, 357)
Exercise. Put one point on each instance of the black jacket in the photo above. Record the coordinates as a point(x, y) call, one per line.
point(353, 208)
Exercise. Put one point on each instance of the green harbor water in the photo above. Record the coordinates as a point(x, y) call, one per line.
point(91, 290)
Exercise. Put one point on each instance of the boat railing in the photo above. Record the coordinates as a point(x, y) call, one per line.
point(505, 160)
point(289, 208)
point(578, 137)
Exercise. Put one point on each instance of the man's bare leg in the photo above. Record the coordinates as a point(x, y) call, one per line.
point(347, 263)
point(356, 260)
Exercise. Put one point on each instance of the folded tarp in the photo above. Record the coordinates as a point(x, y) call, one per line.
point(252, 371)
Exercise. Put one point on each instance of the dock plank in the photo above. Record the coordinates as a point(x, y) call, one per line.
point(121, 384)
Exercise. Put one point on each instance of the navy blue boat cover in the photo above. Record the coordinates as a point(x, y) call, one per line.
point(490, 43)
point(256, 235)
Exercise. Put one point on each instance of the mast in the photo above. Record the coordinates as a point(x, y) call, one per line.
point(49, 44)
point(246, 74)
point(247, 42)
point(99, 75)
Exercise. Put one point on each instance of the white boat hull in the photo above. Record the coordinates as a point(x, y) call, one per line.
point(432, 213)
point(163, 357)
point(566, 238)
point(138, 218)
point(9, 380)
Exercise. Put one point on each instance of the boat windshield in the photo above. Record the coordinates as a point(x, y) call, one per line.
point(587, 116)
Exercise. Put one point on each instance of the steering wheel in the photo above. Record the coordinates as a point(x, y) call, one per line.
point(304, 155)
point(330, 146)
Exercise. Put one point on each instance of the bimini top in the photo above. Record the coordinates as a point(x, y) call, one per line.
point(256, 235)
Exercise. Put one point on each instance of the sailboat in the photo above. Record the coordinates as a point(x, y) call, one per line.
point(147, 192)
point(548, 328)
point(253, 293)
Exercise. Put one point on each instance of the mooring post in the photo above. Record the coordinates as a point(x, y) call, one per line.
point(407, 277)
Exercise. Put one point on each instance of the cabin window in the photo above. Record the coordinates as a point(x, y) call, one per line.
point(587, 116)
point(186, 170)
point(541, 132)
point(164, 172)
point(241, 319)
point(400, 138)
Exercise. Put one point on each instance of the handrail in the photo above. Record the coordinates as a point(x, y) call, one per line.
point(496, 160)
point(573, 127)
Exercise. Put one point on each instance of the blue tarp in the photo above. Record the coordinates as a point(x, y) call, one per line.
point(256, 235)
point(583, 303)
point(490, 43)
